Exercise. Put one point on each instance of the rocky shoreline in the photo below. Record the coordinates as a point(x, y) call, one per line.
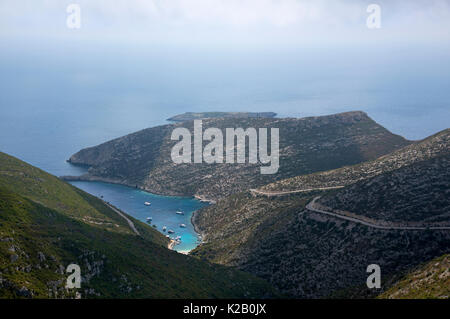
point(199, 233)
point(204, 199)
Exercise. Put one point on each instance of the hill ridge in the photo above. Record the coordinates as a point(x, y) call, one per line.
point(307, 145)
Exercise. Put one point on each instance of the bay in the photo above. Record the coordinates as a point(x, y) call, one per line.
point(162, 209)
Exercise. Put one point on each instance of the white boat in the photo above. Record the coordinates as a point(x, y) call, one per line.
point(183, 225)
point(147, 203)
point(170, 231)
point(164, 228)
point(149, 219)
point(179, 213)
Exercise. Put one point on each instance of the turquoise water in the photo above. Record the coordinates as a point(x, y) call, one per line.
point(162, 209)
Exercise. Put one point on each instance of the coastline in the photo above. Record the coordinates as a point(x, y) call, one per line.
point(172, 243)
point(92, 178)
point(203, 199)
point(201, 235)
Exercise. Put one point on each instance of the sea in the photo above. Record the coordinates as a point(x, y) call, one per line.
point(55, 101)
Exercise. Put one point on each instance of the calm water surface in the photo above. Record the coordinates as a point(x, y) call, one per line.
point(162, 209)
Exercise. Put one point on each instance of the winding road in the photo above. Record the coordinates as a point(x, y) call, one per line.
point(130, 223)
point(311, 207)
point(272, 193)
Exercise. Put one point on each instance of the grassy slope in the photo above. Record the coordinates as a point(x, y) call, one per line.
point(431, 280)
point(51, 192)
point(46, 224)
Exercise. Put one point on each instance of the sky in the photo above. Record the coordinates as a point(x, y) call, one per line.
point(295, 57)
point(238, 23)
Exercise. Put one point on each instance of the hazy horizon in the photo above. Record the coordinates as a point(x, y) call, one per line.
point(133, 64)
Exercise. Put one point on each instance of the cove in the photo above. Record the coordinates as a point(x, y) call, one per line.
point(162, 209)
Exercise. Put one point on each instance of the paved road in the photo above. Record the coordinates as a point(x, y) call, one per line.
point(124, 217)
point(311, 207)
point(272, 193)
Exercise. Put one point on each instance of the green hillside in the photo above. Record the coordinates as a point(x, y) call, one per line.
point(46, 224)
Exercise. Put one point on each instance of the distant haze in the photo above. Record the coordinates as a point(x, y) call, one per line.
point(134, 64)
